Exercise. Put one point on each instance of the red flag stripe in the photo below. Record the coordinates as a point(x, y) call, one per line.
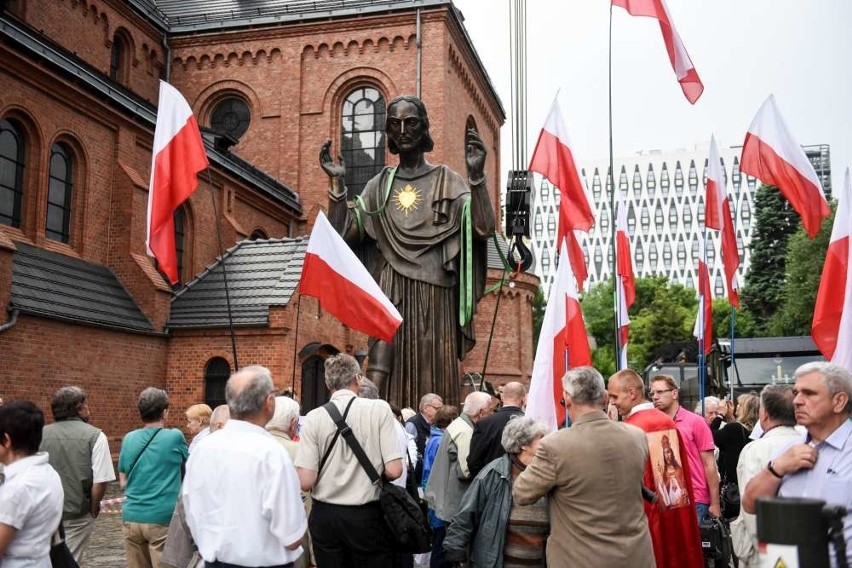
point(828, 309)
point(685, 72)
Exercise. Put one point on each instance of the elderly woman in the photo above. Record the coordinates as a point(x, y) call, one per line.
point(198, 422)
point(31, 498)
point(150, 468)
point(501, 533)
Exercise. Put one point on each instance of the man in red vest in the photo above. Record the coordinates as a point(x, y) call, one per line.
point(671, 518)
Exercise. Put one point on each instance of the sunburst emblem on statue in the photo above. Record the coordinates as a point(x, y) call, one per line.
point(407, 198)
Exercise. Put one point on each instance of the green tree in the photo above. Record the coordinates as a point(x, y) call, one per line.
point(805, 259)
point(663, 312)
point(743, 321)
point(775, 221)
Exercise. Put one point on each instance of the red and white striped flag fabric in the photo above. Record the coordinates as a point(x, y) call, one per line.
point(703, 330)
point(832, 325)
point(576, 258)
point(718, 216)
point(625, 282)
point(687, 76)
point(772, 155)
point(334, 275)
point(553, 158)
point(178, 157)
point(562, 337)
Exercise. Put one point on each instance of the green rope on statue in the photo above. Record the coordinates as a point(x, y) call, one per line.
point(466, 267)
point(361, 207)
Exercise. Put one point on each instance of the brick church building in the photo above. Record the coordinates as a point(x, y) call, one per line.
point(269, 81)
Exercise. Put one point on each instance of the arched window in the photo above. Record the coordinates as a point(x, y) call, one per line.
point(362, 137)
point(216, 374)
point(258, 234)
point(59, 193)
point(180, 239)
point(231, 116)
point(11, 174)
point(119, 59)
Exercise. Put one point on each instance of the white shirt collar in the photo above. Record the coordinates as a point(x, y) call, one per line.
point(640, 407)
point(23, 464)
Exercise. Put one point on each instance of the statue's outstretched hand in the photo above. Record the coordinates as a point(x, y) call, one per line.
point(475, 154)
point(334, 170)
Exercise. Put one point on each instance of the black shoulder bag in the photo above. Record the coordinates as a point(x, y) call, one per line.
point(407, 524)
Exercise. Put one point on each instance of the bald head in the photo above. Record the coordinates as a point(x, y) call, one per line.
point(626, 390)
point(248, 394)
point(221, 415)
point(514, 394)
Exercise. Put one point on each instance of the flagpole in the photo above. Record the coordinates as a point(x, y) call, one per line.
point(613, 248)
point(733, 315)
point(490, 335)
point(296, 344)
point(702, 357)
point(224, 272)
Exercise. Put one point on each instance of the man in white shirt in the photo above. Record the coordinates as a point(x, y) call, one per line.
point(241, 492)
point(778, 421)
point(79, 453)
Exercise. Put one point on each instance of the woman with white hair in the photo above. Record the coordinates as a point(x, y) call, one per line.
point(285, 423)
point(500, 532)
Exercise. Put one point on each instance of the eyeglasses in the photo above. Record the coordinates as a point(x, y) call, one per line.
point(436, 406)
point(659, 392)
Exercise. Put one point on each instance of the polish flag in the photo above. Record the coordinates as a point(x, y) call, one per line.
point(685, 71)
point(334, 275)
point(718, 216)
point(625, 282)
point(563, 337)
point(553, 158)
point(703, 330)
point(772, 155)
point(576, 257)
point(832, 325)
point(178, 157)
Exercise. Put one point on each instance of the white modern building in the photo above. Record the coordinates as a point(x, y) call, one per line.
point(664, 195)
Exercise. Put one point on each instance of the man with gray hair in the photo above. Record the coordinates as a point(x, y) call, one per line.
point(242, 473)
point(485, 445)
point(592, 473)
point(347, 525)
point(420, 425)
point(219, 418)
point(778, 420)
point(818, 464)
point(80, 455)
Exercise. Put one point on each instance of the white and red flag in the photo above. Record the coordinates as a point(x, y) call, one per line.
point(562, 344)
point(625, 282)
point(772, 155)
point(703, 330)
point(178, 157)
point(718, 216)
point(687, 76)
point(553, 158)
point(333, 274)
point(832, 325)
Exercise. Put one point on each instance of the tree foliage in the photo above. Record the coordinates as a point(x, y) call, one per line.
point(805, 259)
point(664, 312)
point(539, 305)
point(775, 222)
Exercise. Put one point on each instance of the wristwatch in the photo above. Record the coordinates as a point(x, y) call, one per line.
point(771, 470)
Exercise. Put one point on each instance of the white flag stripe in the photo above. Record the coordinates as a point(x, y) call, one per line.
point(769, 125)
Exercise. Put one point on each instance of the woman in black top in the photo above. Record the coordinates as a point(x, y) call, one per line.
point(731, 439)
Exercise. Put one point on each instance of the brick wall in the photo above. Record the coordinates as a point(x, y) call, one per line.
point(41, 355)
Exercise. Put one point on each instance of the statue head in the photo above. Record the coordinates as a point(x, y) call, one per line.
point(417, 122)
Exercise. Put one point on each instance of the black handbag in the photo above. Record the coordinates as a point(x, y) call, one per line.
point(407, 524)
point(716, 540)
point(60, 554)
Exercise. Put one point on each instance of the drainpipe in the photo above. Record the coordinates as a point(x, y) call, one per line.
point(12, 321)
point(168, 58)
point(419, 44)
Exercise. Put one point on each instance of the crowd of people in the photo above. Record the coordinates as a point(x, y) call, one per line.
point(260, 485)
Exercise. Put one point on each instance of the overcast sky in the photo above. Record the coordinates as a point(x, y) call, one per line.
point(743, 50)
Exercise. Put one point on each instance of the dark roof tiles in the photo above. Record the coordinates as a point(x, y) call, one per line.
point(54, 285)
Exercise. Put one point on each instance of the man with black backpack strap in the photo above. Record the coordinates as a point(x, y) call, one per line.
point(346, 522)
